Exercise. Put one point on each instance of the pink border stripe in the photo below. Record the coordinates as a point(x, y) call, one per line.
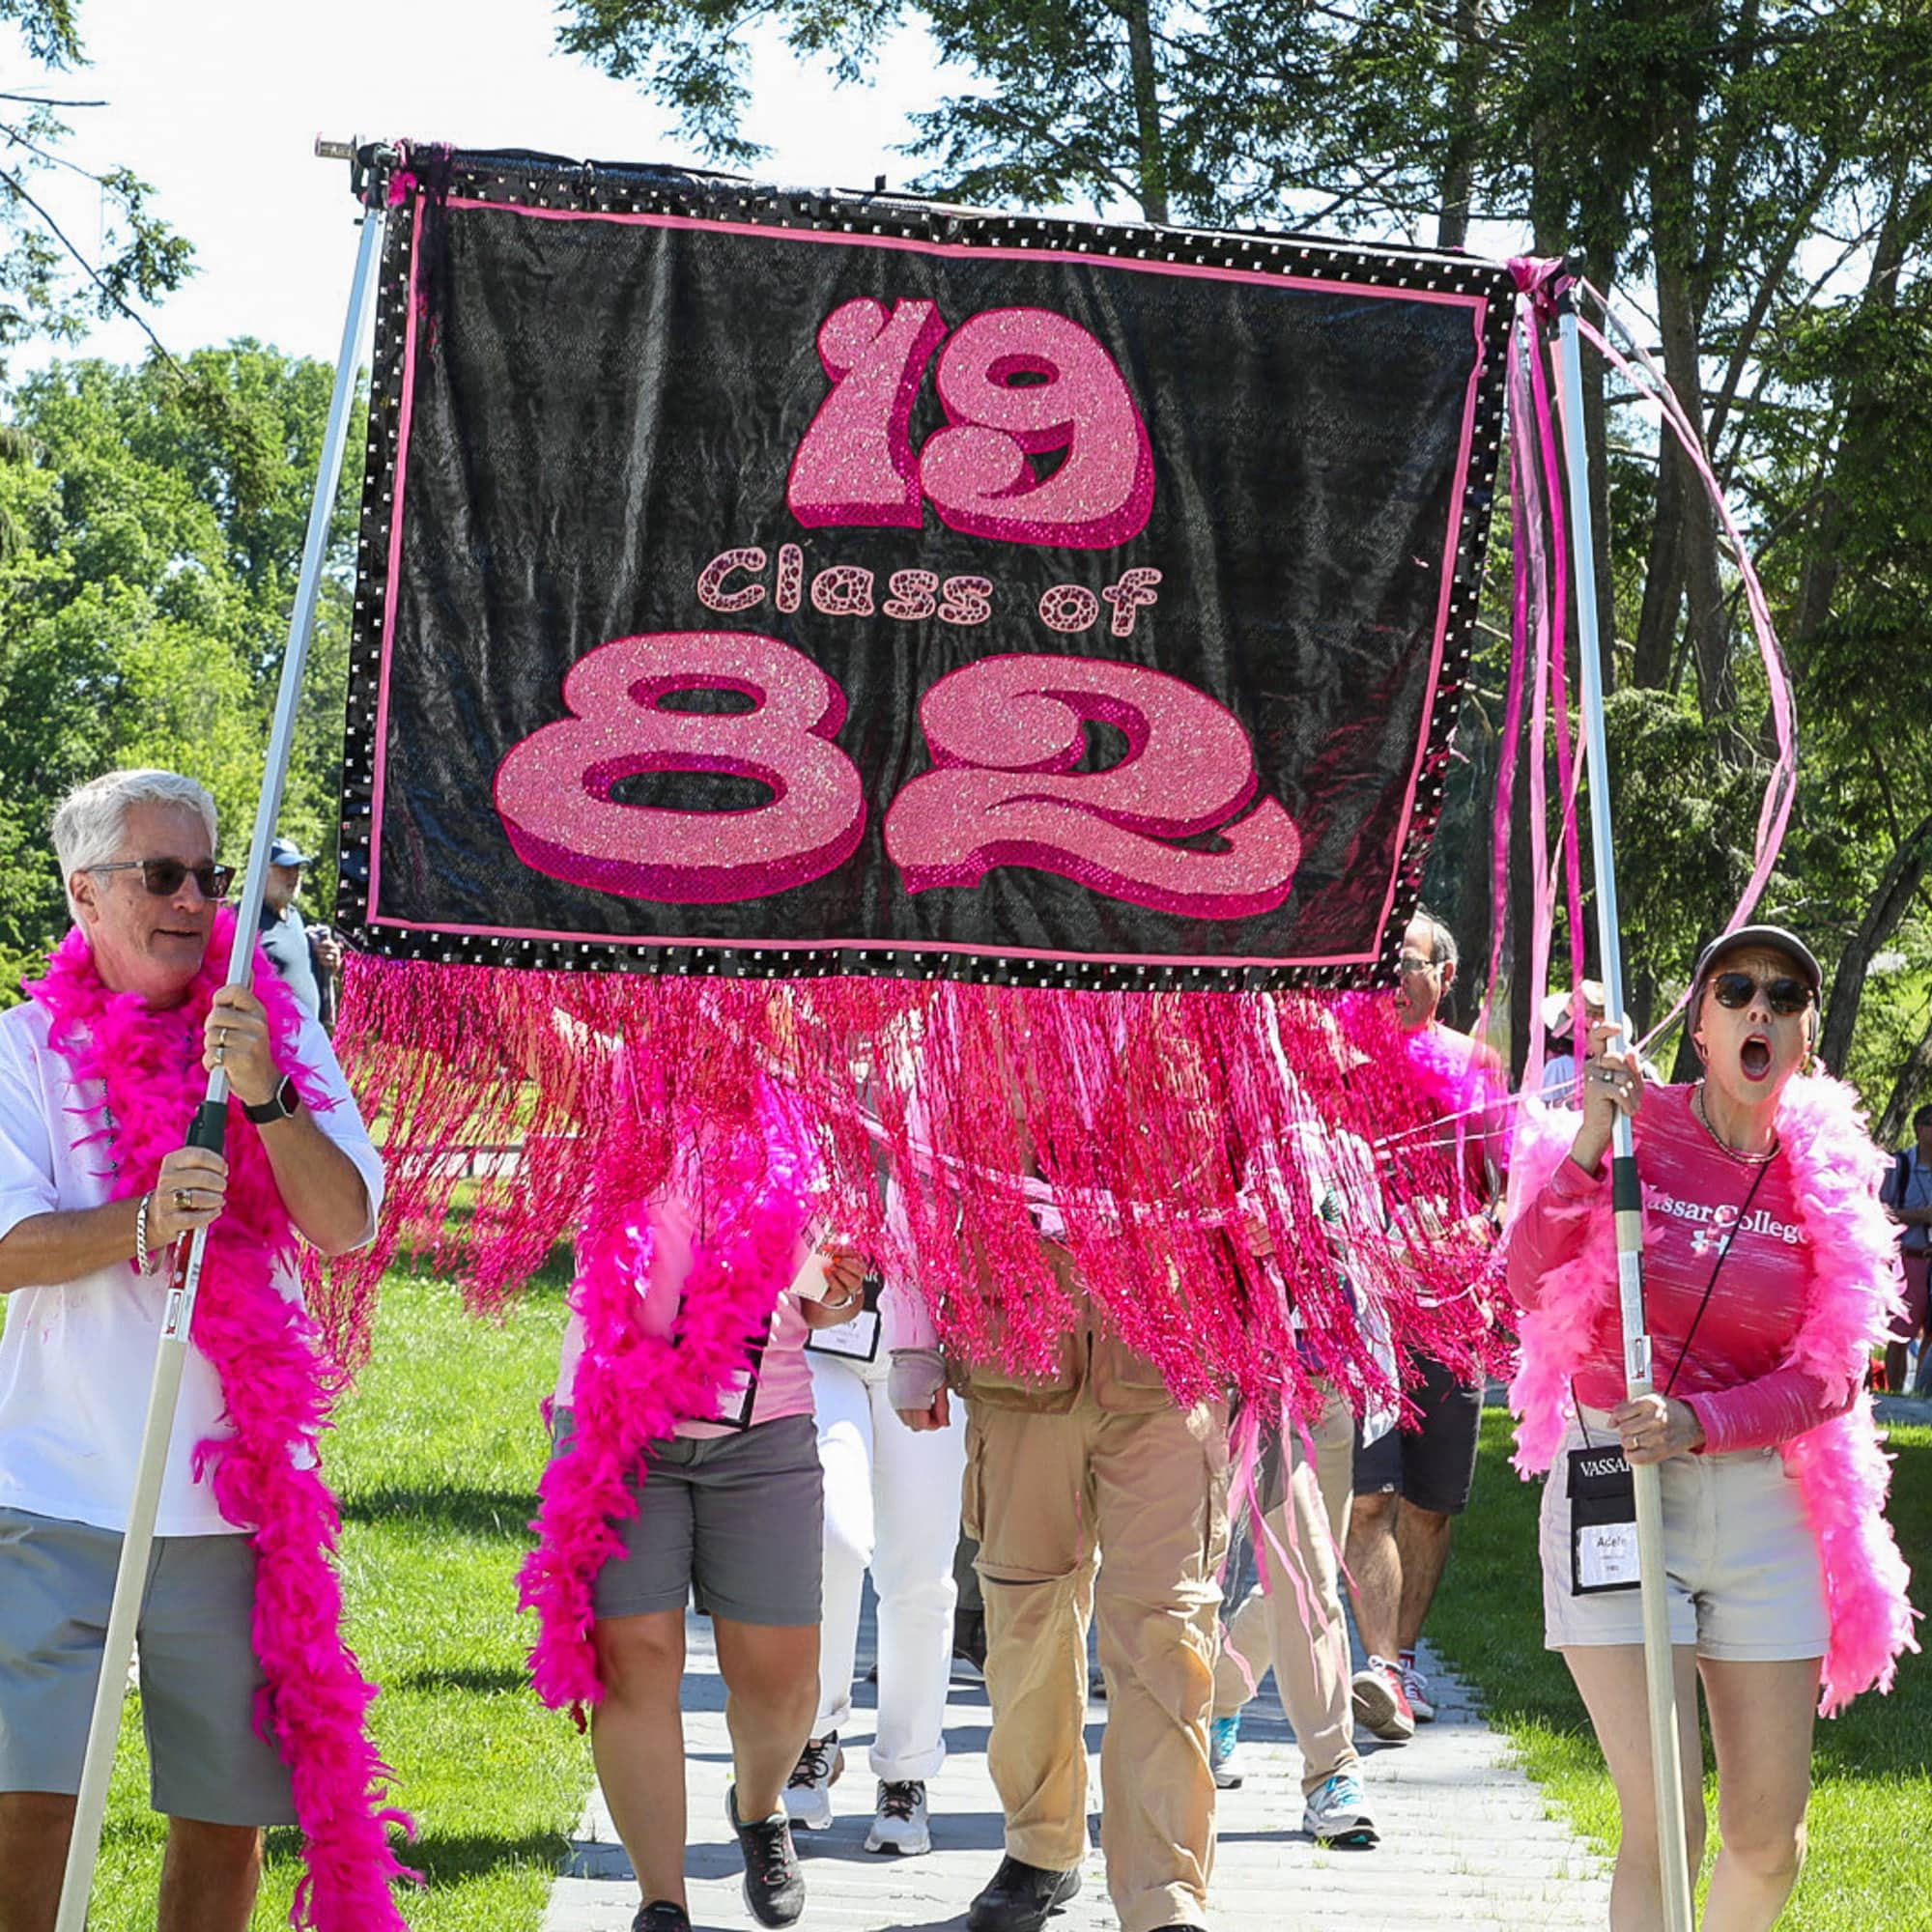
point(404, 417)
point(1478, 306)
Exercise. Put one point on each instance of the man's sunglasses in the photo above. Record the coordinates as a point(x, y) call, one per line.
point(1784, 995)
point(164, 877)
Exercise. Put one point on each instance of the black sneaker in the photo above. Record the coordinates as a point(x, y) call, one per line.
point(1019, 1897)
point(774, 1885)
point(661, 1916)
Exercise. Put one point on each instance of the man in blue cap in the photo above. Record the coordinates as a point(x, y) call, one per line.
point(306, 957)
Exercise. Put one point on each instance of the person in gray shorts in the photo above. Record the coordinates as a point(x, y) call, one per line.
point(82, 1264)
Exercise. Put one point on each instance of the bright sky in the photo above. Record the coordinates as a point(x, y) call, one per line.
point(217, 103)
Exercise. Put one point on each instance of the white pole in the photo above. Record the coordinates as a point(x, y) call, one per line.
point(178, 1315)
point(1625, 1199)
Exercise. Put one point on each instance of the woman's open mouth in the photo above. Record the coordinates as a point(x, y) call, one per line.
point(1754, 1057)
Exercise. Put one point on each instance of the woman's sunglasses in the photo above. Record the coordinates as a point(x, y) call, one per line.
point(164, 877)
point(1784, 995)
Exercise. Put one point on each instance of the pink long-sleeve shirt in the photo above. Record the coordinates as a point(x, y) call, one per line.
point(1694, 1192)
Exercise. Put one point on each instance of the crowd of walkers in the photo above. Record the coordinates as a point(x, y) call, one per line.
point(1097, 1505)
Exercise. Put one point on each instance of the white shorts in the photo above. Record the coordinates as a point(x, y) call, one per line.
point(1744, 1583)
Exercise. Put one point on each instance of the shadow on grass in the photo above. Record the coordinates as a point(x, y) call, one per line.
point(444, 1857)
point(498, 1513)
point(480, 1681)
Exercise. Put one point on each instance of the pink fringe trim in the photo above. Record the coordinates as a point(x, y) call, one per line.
point(1842, 1473)
point(279, 1393)
point(1163, 1119)
point(631, 1389)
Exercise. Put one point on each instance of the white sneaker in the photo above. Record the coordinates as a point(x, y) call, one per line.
point(808, 1793)
point(1336, 1813)
point(1223, 1746)
point(1415, 1688)
point(903, 1824)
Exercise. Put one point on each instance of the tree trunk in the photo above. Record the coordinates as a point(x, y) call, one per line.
point(1914, 1082)
point(1897, 887)
point(1147, 111)
point(1458, 166)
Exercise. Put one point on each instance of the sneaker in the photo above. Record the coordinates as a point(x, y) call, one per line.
point(1019, 1897)
point(903, 1824)
point(807, 1792)
point(1224, 1742)
point(661, 1916)
point(1415, 1688)
point(1336, 1813)
point(1382, 1703)
point(774, 1885)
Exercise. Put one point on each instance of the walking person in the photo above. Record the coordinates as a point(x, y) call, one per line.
point(892, 1506)
point(101, 1072)
point(686, 1457)
point(1908, 1193)
point(1411, 1481)
point(1768, 1277)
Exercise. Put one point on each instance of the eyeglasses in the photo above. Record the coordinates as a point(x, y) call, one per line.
point(1412, 963)
point(1783, 995)
point(163, 877)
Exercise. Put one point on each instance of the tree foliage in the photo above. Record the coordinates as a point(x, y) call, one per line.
point(1753, 177)
point(154, 522)
point(49, 285)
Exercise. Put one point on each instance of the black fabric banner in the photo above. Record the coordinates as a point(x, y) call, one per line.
point(776, 583)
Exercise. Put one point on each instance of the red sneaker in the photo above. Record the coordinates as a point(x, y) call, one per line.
point(1382, 1703)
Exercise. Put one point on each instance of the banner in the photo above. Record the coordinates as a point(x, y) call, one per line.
point(764, 583)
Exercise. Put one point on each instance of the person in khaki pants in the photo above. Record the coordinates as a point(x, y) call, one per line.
point(1306, 1484)
point(1093, 1497)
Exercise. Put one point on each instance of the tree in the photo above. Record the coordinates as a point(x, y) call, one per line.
point(48, 284)
point(156, 518)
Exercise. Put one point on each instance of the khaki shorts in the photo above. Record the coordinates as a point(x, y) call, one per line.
point(198, 1670)
point(1745, 1584)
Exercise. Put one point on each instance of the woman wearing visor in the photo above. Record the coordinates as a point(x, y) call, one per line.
point(1770, 1272)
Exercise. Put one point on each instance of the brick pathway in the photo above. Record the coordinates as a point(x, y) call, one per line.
point(1466, 1841)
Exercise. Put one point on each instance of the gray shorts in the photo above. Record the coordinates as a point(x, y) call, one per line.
point(741, 1516)
point(197, 1657)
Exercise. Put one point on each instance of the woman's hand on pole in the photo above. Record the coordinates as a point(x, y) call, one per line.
point(1612, 1083)
point(1654, 1428)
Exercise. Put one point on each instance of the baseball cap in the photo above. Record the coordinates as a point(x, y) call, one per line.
point(1768, 939)
point(286, 852)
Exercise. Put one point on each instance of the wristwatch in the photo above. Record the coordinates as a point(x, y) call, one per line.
point(278, 1106)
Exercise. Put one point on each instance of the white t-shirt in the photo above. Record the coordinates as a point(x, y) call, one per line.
point(77, 1357)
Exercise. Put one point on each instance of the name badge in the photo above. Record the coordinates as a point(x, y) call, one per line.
point(1603, 1522)
point(856, 1340)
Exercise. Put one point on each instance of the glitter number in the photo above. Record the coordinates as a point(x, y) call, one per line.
point(1024, 382)
point(1014, 382)
point(1005, 733)
point(856, 462)
point(553, 790)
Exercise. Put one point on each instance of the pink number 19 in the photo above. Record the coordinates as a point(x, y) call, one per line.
point(1014, 382)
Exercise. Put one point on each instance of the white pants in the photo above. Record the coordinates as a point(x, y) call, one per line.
point(892, 1505)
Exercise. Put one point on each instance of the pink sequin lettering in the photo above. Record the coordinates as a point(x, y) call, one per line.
point(711, 591)
point(1069, 606)
point(856, 462)
point(967, 599)
point(791, 577)
point(846, 590)
point(1021, 382)
point(1005, 733)
point(1133, 593)
point(553, 790)
point(915, 594)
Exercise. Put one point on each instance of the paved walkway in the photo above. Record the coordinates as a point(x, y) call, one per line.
point(1466, 1841)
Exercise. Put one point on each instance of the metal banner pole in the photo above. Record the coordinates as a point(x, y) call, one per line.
point(1625, 1199)
point(210, 1123)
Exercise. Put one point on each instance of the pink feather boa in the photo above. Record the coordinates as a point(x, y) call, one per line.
point(263, 1346)
point(1855, 1297)
point(631, 1389)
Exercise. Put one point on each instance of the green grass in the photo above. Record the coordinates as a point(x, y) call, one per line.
point(1872, 1802)
point(434, 1463)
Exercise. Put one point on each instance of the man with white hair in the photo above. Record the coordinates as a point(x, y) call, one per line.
point(101, 1071)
